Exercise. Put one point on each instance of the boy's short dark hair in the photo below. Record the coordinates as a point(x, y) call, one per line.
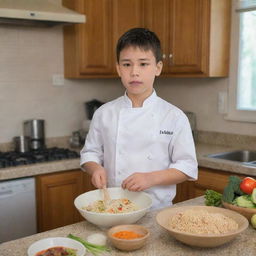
point(142, 38)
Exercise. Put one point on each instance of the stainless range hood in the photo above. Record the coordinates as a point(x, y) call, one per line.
point(37, 12)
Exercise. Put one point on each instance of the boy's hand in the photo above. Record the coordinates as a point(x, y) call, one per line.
point(138, 181)
point(99, 178)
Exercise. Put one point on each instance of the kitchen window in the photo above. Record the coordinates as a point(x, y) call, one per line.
point(242, 83)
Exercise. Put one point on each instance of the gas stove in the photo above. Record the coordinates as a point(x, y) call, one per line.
point(12, 158)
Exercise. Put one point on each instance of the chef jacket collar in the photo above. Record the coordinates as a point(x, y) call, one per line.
point(147, 102)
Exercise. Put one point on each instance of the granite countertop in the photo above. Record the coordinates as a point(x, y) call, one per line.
point(39, 168)
point(160, 242)
point(203, 149)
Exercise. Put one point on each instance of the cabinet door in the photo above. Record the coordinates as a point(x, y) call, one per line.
point(55, 199)
point(207, 179)
point(156, 15)
point(95, 38)
point(211, 179)
point(188, 22)
point(126, 15)
point(181, 26)
point(182, 192)
point(87, 183)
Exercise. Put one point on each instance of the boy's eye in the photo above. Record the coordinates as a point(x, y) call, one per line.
point(126, 64)
point(144, 64)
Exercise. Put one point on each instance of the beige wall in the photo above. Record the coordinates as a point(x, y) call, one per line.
point(28, 59)
point(201, 96)
point(30, 56)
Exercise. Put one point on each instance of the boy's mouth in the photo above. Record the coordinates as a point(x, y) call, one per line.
point(135, 83)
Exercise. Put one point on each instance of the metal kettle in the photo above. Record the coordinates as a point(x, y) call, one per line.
point(34, 129)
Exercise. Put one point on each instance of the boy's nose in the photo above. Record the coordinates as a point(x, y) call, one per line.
point(134, 71)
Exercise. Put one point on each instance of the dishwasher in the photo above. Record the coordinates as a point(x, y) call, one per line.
point(17, 209)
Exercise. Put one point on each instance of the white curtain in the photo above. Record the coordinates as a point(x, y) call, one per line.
point(245, 5)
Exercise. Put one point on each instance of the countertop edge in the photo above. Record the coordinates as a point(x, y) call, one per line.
point(202, 151)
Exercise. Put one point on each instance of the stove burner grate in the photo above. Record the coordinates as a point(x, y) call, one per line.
point(12, 158)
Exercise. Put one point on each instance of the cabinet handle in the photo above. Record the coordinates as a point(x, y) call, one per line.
point(164, 56)
point(170, 59)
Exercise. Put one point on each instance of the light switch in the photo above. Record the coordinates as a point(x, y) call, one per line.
point(57, 80)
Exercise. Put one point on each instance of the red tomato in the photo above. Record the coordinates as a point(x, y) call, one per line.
point(247, 185)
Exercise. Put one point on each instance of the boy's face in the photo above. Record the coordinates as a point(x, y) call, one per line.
point(137, 69)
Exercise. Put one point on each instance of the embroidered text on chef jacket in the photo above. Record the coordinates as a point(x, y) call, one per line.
point(153, 137)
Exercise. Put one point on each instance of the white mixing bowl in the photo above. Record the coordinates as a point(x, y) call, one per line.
point(141, 199)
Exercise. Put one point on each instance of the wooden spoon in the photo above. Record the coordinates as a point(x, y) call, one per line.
point(106, 196)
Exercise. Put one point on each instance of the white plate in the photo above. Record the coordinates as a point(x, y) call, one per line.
point(56, 241)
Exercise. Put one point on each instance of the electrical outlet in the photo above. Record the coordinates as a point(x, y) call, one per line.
point(222, 102)
point(57, 80)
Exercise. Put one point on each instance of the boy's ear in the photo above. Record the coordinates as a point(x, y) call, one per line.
point(159, 67)
point(118, 68)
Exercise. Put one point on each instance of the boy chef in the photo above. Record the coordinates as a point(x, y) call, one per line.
point(139, 141)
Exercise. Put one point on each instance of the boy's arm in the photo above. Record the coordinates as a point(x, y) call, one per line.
point(92, 153)
point(182, 167)
point(140, 181)
point(182, 152)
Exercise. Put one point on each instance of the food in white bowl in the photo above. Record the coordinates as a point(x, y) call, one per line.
point(56, 244)
point(121, 205)
point(142, 201)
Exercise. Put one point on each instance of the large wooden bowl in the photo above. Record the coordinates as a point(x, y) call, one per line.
point(246, 212)
point(202, 240)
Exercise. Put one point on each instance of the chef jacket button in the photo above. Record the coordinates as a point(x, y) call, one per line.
point(150, 157)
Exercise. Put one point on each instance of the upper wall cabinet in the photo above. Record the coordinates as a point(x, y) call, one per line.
point(194, 34)
point(89, 49)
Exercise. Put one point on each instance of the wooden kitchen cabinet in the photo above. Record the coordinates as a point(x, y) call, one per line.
point(211, 179)
point(126, 15)
point(55, 198)
point(183, 191)
point(89, 49)
point(195, 35)
point(207, 179)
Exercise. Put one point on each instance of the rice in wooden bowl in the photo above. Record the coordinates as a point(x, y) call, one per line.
point(202, 226)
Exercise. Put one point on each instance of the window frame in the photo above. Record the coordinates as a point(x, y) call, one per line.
point(233, 113)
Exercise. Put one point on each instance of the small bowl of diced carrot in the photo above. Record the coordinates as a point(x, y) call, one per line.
point(128, 237)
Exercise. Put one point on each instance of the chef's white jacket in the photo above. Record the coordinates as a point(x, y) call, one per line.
point(153, 137)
